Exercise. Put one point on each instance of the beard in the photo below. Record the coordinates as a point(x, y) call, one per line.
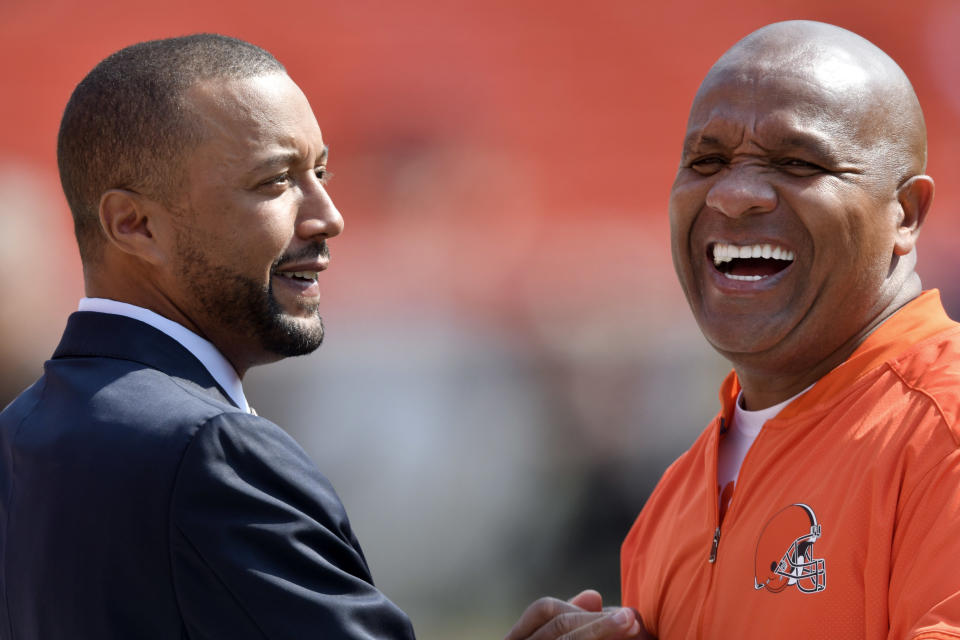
point(242, 304)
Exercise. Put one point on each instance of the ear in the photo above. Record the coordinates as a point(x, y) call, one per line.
point(128, 221)
point(914, 196)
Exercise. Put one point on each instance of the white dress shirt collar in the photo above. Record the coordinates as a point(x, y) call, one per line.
point(208, 355)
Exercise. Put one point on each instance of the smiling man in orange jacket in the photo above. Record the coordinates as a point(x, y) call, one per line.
point(823, 501)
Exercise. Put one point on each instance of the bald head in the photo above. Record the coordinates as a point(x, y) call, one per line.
point(863, 90)
point(798, 201)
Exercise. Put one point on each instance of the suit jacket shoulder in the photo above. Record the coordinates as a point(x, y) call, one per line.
point(137, 501)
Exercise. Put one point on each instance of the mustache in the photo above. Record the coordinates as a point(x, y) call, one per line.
point(310, 253)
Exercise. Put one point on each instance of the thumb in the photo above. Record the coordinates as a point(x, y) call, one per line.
point(588, 600)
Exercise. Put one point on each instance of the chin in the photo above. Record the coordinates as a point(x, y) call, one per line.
point(740, 340)
point(288, 336)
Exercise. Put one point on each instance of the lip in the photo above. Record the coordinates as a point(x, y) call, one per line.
point(746, 287)
point(301, 288)
point(315, 265)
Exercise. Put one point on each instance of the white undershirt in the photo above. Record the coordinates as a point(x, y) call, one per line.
point(744, 428)
point(208, 355)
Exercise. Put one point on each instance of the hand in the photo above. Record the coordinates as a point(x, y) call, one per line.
point(581, 618)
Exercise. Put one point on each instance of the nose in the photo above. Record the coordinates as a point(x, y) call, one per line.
point(318, 216)
point(741, 190)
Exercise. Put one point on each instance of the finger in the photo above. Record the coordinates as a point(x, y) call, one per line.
point(537, 615)
point(588, 625)
point(588, 600)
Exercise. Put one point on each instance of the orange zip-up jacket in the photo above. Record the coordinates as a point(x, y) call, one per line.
point(845, 519)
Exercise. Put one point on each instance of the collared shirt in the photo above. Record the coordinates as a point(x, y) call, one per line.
point(204, 351)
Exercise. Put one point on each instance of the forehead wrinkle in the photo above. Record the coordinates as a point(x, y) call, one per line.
point(814, 120)
point(699, 138)
point(793, 139)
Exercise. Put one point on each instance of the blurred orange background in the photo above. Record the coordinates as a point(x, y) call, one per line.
point(510, 363)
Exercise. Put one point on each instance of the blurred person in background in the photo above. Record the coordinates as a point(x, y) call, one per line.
point(140, 496)
point(821, 502)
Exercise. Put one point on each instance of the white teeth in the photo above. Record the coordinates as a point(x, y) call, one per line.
point(746, 278)
point(304, 275)
point(727, 252)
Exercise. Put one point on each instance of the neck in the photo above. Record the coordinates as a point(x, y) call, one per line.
point(765, 385)
point(143, 291)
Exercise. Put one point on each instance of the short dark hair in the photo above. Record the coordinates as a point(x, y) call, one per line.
point(126, 124)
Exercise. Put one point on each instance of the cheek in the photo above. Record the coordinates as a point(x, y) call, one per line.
point(249, 254)
point(852, 239)
point(686, 205)
point(848, 223)
point(686, 199)
point(263, 238)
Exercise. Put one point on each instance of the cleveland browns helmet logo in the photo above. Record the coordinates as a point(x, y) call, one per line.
point(785, 553)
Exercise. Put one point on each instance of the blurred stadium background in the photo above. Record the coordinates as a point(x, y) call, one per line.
point(510, 364)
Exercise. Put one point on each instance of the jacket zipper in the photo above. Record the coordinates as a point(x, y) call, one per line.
point(715, 544)
point(712, 558)
point(713, 547)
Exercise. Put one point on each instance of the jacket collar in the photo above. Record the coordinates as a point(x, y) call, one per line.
point(107, 335)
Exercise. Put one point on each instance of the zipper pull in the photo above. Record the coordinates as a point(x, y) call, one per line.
point(713, 547)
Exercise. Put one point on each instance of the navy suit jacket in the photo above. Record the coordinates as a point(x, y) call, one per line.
point(136, 501)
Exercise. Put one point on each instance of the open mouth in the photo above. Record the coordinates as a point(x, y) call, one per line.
point(302, 276)
point(749, 262)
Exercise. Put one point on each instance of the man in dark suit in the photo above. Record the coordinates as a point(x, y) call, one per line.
point(140, 497)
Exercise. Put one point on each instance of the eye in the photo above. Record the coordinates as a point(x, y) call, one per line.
point(799, 167)
point(708, 165)
point(280, 179)
point(323, 174)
